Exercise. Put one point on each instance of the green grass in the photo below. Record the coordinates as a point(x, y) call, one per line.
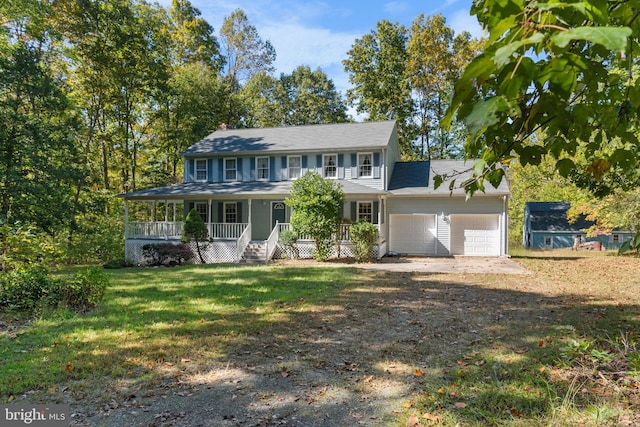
point(157, 316)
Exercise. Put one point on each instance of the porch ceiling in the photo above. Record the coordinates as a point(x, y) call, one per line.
point(254, 189)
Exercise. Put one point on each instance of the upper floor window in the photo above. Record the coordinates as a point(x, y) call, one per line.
point(201, 170)
point(230, 169)
point(365, 165)
point(294, 166)
point(262, 168)
point(330, 166)
point(365, 211)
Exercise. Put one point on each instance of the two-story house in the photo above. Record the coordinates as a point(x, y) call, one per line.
point(238, 179)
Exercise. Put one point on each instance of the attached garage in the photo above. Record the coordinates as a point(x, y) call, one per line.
point(475, 235)
point(412, 234)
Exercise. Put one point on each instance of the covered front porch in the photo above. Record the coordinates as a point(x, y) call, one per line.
point(241, 227)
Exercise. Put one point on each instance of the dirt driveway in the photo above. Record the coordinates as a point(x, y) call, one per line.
point(350, 361)
point(457, 264)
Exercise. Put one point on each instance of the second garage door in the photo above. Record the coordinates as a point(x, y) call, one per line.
point(412, 234)
point(475, 235)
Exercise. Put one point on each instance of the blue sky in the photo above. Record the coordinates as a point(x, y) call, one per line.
point(319, 33)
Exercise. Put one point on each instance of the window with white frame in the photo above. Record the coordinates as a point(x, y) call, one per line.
point(294, 166)
point(365, 212)
point(230, 169)
point(203, 209)
point(365, 165)
point(230, 212)
point(616, 238)
point(201, 170)
point(262, 168)
point(330, 166)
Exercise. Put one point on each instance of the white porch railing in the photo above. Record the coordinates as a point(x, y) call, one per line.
point(272, 241)
point(344, 231)
point(173, 230)
point(243, 242)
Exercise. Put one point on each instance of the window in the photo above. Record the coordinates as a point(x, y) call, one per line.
point(330, 166)
point(203, 209)
point(201, 170)
point(230, 171)
point(262, 168)
point(547, 241)
point(230, 212)
point(365, 211)
point(616, 238)
point(295, 166)
point(365, 165)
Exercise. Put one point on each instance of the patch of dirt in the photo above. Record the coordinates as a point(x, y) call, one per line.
point(357, 359)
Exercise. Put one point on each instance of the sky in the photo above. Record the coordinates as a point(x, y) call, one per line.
point(320, 33)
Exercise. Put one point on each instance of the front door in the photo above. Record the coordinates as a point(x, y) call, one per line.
point(278, 213)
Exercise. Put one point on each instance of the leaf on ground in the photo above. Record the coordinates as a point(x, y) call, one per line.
point(460, 405)
point(69, 367)
point(431, 417)
point(412, 421)
point(515, 413)
point(418, 373)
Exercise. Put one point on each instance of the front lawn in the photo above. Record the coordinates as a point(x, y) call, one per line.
point(299, 345)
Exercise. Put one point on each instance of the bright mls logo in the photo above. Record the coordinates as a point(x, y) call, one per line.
point(35, 415)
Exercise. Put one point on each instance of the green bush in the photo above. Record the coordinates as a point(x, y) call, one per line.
point(81, 292)
point(25, 288)
point(32, 288)
point(322, 250)
point(364, 236)
point(167, 254)
point(288, 239)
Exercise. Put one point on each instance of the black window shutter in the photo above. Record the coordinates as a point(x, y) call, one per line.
point(272, 168)
point(239, 212)
point(304, 162)
point(220, 212)
point(374, 214)
point(220, 170)
point(239, 170)
point(354, 211)
point(354, 166)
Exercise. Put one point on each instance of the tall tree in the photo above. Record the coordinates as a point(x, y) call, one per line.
point(246, 54)
point(566, 68)
point(193, 37)
point(37, 152)
point(435, 60)
point(376, 65)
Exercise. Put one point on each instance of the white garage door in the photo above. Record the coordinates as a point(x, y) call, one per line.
point(412, 234)
point(475, 235)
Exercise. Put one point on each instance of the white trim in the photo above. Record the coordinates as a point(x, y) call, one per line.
point(205, 212)
point(324, 170)
point(205, 170)
point(358, 164)
point(358, 204)
point(224, 169)
point(268, 169)
point(299, 157)
point(224, 212)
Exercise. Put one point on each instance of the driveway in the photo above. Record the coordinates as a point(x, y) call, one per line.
point(457, 264)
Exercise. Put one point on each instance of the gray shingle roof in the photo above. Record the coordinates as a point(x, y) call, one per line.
point(342, 136)
point(417, 178)
point(254, 189)
point(552, 216)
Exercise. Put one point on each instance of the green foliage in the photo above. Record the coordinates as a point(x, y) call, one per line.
point(567, 69)
point(167, 254)
point(33, 288)
point(195, 229)
point(316, 206)
point(23, 245)
point(80, 292)
point(25, 288)
point(364, 235)
point(288, 239)
point(408, 75)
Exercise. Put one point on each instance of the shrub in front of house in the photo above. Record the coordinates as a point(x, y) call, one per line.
point(166, 254)
point(288, 240)
point(364, 236)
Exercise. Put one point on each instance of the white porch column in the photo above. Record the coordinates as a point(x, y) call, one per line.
point(249, 221)
point(166, 220)
point(126, 219)
point(210, 219)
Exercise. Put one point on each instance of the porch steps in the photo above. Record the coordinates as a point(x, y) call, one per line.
point(256, 252)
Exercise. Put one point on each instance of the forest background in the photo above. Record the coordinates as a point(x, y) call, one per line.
point(98, 98)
